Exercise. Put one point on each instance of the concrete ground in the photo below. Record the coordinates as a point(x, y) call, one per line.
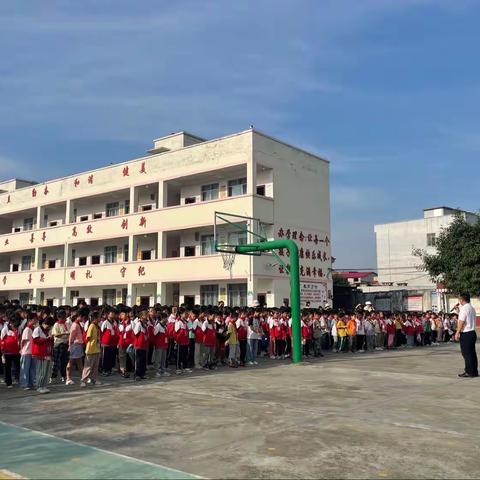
point(401, 414)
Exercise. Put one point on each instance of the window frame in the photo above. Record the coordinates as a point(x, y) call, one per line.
point(235, 184)
point(208, 193)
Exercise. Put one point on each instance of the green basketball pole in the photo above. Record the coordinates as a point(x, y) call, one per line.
point(291, 246)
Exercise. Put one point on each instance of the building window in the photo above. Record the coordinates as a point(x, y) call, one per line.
point(74, 294)
point(237, 187)
point(125, 252)
point(208, 245)
point(24, 298)
point(431, 239)
point(82, 261)
point(111, 254)
point(127, 207)
point(97, 216)
point(15, 267)
point(52, 264)
point(146, 208)
point(146, 254)
point(189, 251)
point(209, 192)
point(17, 229)
point(237, 294)
point(95, 259)
point(53, 223)
point(109, 296)
point(208, 294)
point(190, 200)
point(112, 209)
point(94, 302)
point(26, 262)
point(84, 218)
point(28, 224)
point(261, 190)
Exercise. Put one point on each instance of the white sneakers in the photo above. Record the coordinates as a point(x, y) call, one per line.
point(43, 390)
point(70, 382)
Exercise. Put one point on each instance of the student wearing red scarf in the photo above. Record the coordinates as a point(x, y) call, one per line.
point(11, 348)
point(42, 349)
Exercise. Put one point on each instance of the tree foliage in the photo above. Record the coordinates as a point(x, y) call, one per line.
point(456, 264)
point(339, 280)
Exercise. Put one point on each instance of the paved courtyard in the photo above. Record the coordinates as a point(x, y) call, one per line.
point(380, 415)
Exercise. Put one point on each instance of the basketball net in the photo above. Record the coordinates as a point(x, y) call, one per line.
point(228, 259)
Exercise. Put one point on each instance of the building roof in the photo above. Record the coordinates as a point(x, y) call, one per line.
point(355, 274)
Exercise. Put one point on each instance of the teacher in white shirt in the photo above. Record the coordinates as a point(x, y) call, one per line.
point(466, 334)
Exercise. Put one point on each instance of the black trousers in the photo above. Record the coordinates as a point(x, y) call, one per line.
point(467, 346)
point(182, 356)
point(243, 351)
point(140, 362)
point(11, 361)
point(360, 341)
point(109, 356)
point(191, 353)
point(60, 360)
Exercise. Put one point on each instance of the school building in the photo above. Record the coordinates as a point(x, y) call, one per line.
point(141, 231)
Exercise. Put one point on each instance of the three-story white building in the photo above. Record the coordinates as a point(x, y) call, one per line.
point(141, 231)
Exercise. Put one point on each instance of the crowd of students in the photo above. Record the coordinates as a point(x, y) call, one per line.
point(42, 345)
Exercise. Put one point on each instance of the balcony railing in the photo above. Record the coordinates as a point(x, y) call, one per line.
point(180, 269)
point(165, 219)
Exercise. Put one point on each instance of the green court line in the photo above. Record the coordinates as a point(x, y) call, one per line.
point(38, 455)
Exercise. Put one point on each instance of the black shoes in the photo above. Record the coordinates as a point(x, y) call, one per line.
point(467, 375)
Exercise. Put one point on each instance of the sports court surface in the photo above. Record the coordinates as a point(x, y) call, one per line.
point(380, 415)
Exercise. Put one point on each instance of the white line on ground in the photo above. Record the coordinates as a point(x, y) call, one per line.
point(97, 449)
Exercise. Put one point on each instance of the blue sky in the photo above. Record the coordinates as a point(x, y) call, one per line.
point(387, 90)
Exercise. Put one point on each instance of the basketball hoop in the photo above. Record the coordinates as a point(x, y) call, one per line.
point(228, 260)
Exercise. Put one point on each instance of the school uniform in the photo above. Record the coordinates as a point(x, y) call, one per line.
point(160, 342)
point(27, 362)
point(42, 349)
point(11, 351)
point(140, 344)
point(125, 341)
point(209, 340)
point(171, 354)
point(92, 354)
point(109, 341)
point(182, 339)
point(60, 350)
point(242, 339)
point(199, 351)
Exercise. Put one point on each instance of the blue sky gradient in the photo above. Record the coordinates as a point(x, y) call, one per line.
point(387, 90)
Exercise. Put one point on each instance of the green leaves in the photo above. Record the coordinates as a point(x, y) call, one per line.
point(457, 261)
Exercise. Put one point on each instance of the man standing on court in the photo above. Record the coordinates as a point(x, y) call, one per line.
point(467, 336)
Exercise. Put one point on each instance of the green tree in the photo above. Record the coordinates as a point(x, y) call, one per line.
point(456, 263)
point(340, 281)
